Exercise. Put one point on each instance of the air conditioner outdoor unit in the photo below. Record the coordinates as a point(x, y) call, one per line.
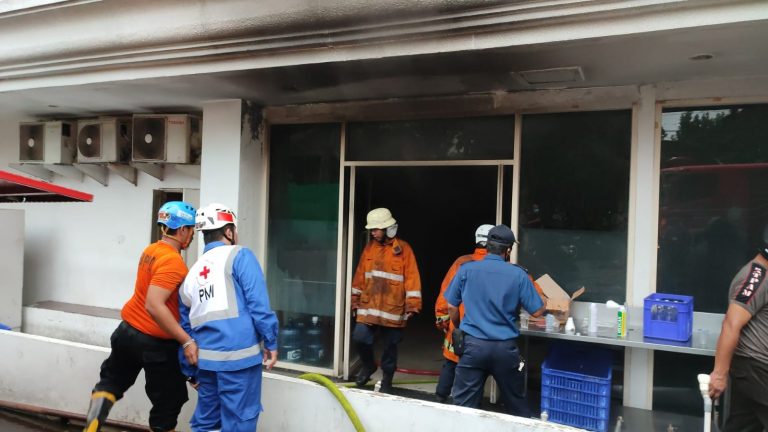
point(171, 138)
point(46, 142)
point(106, 139)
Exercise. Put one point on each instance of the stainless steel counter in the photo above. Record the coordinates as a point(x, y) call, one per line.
point(701, 343)
point(706, 330)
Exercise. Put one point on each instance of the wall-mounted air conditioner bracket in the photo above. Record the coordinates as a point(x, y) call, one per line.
point(68, 171)
point(156, 170)
point(188, 170)
point(125, 171)
point(97, 172)
point(34, 169)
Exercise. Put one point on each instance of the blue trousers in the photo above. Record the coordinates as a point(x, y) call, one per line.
point(447, 376)
point(228, 401)
point(501, 360)
point(363, 337)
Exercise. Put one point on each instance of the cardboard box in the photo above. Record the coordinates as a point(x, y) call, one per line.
point(558, 301)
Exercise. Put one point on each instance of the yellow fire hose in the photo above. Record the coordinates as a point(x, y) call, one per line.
point(339, 396)
point(325, 382)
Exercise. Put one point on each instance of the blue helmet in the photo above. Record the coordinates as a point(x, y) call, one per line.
point(176, 214)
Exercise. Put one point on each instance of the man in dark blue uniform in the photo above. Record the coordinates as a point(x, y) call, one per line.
point(492, 290)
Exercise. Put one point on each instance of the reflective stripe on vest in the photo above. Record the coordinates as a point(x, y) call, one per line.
point(209, 287)
point(356, 291)
point(447, 345)
point(384, 275)
point(381, 314)
point(251, 351)
point(413, 294)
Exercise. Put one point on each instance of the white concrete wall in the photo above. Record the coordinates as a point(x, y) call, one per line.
point(289, 404)
point(86, 253)
point(85, 329)
point(11, 267)
point(232, 166)
point(60, 375)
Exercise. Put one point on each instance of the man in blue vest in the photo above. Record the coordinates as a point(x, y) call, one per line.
point(491, 291)
point(224, 306)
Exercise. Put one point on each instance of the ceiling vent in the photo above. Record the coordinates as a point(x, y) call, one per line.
point(561, 75)
point(171, 138)
point(104, 140)
point(46, 142)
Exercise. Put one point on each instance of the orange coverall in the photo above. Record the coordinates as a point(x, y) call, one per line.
point(386, 284)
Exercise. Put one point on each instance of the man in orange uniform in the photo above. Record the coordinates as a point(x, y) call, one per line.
point(443, 320)
point(149, 336)
point(386, 292)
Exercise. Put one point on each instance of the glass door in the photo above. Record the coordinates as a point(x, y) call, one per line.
point(437, 208)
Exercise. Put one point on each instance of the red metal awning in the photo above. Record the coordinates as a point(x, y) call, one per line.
point(16, 188)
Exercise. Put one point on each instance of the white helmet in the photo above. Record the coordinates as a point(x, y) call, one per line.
point(481, 234)
point(379, 218)
point(214, 216)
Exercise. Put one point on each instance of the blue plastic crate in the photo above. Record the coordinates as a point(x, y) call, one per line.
point(668, 316)
point(576, 386)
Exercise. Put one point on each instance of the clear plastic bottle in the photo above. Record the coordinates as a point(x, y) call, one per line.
point(524, 318)
point(550, 323)
point(673, 313)
point(664, 313)
point(544, 415)
point(570, 326)
point(290, 342)
point(314, 352)
point(621, 322)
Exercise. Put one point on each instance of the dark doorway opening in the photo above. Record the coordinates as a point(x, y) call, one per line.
point(160, 197)
point(437, 209)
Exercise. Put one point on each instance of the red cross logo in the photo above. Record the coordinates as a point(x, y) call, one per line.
point(205, 272)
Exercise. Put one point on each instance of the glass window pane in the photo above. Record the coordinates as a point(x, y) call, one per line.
point(712, 211)
point(475, 138)
point(574, 198)
point(302, 235)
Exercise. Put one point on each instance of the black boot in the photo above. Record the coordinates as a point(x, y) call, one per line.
point(364, 375)
point(386, 383)
point(101, 403)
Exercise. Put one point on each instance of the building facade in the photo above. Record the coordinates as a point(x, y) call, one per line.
point(623, 140)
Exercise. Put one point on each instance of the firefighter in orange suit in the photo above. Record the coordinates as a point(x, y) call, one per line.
point(386, 292)
point(443, 321)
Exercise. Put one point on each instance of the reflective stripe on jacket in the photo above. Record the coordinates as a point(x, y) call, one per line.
point(441, 305)
point(386, 284)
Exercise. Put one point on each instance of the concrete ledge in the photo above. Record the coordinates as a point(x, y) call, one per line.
point(69, 322)
point(58, 375)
